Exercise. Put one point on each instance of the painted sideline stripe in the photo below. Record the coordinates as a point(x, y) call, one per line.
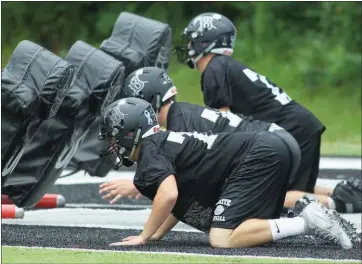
point(188, 254)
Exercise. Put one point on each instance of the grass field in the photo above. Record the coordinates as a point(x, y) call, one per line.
point(29, 255)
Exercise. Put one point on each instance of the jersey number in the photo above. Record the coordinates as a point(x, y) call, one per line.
point(178, 137)
point(213, 115)
point(282, 97)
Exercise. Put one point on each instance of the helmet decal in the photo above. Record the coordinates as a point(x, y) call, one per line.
point(136, 84)
point(153, 130)
point(204, 22)
point(148, 116)
point(167, 78)
point(232, 40)
point(115, 116)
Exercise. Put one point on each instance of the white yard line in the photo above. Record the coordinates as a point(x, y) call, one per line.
point(189, 254)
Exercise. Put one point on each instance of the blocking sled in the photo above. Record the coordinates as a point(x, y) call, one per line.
point(138, 42)
point(97, 79)
point(33, 86)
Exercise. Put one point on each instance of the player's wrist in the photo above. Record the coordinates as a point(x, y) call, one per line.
point(146, 237)
point(156, 237)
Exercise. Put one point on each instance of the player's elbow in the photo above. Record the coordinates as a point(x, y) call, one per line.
point(171, 196)
point(168, 190)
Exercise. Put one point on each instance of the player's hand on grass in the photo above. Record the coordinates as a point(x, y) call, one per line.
point(117, 189)
point(131, 241)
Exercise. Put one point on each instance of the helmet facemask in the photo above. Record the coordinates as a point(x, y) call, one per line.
point(120, 154)
point(182, 49)
point(193, 48)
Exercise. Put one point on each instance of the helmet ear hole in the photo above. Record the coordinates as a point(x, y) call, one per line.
point(130, 133)
point(204, 44)
point(121, 124)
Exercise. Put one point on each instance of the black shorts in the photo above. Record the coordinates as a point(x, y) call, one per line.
point(295, 152)
point(257, 189)
point(307, 174)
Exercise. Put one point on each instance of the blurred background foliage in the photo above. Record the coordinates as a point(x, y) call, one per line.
point(310, 49)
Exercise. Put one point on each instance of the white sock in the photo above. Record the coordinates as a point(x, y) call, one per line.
point(331, 203)
point(287, 227)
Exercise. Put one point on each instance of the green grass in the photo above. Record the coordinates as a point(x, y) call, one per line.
point(29, 255)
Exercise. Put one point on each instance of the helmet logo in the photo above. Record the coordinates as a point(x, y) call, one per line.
point(205, 22)
point(115, 115)
point(148, 116)
point(167, 78)
point(136, 84)
point(232, 41)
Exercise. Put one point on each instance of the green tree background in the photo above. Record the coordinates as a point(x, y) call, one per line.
point(310, 49)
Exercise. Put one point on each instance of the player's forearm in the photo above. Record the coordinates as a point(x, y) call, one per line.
point(170, 222)
point(161, 209)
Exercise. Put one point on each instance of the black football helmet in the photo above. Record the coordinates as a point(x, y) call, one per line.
point(124, 123)
point(151, 84)
point(206, 33)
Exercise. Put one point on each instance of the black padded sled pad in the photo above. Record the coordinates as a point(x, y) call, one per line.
point(139, 42)
point(99, 77)
point(33, 85)
point(35, 81)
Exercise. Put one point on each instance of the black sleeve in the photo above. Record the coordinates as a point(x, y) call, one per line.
point(152, 169)
point(175, 119)
point(215, 85)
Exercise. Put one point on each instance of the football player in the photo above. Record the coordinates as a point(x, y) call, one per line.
point(227, 84)
point(231, 185)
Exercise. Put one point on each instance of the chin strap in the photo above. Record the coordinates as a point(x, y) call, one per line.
point(191, 62)
point(135, 143)
point(158, 105)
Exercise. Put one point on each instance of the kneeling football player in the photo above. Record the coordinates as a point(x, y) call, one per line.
point(231, 185)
